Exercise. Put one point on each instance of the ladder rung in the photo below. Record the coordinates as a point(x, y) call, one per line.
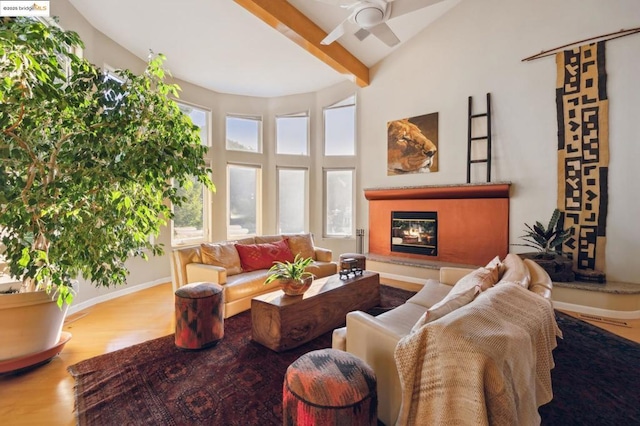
point(479, 161)
point(477, 138)
point(478, 115)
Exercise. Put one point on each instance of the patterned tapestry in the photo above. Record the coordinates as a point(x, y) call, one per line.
point(583, 152)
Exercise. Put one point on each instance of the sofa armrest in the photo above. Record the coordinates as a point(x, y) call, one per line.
point(200, 272)
point(323, 255)
point(450, 275)
point(370, 340)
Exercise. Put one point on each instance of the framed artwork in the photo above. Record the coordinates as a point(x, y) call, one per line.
point(412, 145)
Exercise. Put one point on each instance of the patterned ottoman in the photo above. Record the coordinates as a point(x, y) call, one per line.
point(199, 315)
point(329, 387)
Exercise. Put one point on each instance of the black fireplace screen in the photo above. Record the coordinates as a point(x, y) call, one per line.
point(414, 232)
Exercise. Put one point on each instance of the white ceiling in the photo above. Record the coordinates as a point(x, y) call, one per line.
point(218, 45)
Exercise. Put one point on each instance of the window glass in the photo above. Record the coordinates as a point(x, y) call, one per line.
point(244, 201)
point(340, 128)
point(244, 133)
point(339, 198)
point(292, 134)
point(200, 118)
point(189, 218)
point(190, 222)
point(292, 200)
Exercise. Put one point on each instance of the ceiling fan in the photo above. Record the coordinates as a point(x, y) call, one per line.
point(371, 17)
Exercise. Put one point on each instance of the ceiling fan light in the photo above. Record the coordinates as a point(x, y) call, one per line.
point(368, 16)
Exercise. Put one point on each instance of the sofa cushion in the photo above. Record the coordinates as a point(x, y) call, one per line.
point(541, 282)
point(446, 306)
point(262, 256)
point(515, 271)
point(400, 320)
point(483, 277)
point(302, 244)
point(496, 263)
point(261, 239)
point(224, 255)
point(431, 293)
point(247, 285)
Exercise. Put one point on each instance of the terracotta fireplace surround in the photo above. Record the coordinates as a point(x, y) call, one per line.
point(473, 220)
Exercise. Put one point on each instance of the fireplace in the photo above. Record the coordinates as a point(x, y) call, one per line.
point(414, 232)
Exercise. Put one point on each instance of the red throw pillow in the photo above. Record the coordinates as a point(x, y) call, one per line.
point(262, 256)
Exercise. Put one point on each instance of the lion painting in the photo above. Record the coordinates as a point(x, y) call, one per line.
point(409, 150)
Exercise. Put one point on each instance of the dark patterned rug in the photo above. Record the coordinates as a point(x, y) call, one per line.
point(596, 380)
point(236, 382)
point(239, 382)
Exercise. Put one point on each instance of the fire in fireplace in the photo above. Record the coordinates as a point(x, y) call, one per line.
point(414, 232)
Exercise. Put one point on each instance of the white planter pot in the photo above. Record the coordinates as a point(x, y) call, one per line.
point(32, 323)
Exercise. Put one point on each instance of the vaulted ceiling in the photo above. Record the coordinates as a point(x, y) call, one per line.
point(263, 48)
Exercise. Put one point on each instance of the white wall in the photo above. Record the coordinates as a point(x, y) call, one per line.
point(477, 48)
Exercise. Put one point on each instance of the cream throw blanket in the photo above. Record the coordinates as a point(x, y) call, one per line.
point(487, 363)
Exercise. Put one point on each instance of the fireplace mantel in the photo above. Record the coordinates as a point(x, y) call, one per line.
point(473, 219)
point(435, 192)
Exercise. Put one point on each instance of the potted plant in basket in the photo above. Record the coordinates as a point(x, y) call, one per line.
point(292, 276)
point(89, 166)
point(548, 243)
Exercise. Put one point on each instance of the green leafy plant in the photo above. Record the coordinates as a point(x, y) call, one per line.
point(548, 241)
point(290, 270)
point(88, 163)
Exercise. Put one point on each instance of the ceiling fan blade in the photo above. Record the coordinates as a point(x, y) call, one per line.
point(402, 7)
point(335, 34)
point(384, 33)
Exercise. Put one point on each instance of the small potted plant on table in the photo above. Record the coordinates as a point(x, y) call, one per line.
point(292, 275)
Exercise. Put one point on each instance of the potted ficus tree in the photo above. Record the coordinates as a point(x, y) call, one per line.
point(292, 275)
point(89, 169)
point(548, 243)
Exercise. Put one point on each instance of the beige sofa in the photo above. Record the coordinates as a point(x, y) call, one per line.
point(375, 339)
point(221, 263)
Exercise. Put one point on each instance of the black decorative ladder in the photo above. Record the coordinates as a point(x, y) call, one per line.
point(472, 138)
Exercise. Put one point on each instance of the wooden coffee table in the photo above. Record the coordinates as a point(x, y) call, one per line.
point(282, 322)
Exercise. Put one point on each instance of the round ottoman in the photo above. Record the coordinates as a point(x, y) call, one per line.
point(199, 315)
point(329, 387)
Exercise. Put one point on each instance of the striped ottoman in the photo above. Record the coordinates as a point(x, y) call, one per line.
point(199, 315)
point(329, 387)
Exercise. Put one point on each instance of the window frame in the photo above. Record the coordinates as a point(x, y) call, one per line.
point(303, 114)
point(206, 220)
point(257, 118)
point(325, 202)
point(258, 200)
point(348, 102)
point(306, 219)
point(207, 198)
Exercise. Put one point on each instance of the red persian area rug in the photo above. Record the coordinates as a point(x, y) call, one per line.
point(236, 382)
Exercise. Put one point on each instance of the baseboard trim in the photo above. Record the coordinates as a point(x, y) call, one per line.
point(598, 312)
point(73, 309)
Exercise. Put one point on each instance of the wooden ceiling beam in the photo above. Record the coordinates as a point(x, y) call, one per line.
point(288, 20)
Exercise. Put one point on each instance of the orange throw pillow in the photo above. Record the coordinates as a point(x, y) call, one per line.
point(302, 244)
point(262, 256)
point(223, 255)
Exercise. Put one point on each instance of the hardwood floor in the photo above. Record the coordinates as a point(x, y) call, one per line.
point(44, 396)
